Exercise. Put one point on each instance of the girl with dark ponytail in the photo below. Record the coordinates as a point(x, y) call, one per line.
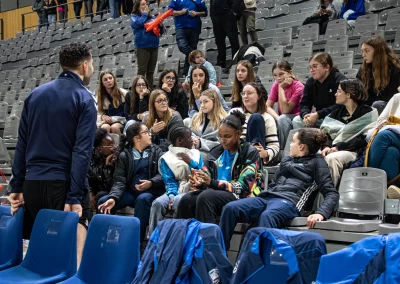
point(233, 171)
point(299, 178)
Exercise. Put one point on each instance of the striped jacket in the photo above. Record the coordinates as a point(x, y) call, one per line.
point(300, 179)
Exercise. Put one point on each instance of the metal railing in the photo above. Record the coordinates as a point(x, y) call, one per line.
point(58, 21)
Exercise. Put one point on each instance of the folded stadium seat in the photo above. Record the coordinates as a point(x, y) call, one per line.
point(10, 97)
point(393, 21)
point(301, 49)
point(16, 50)
point(45, 45)
point(177, 54)
point(375, 6)
point(12, 58)
point(96, 19)
point(396, 43)
point(117, 39)
point(281, 2)
point(366, 23)
point(10, 237)
point(382, 17)
point(264, 70)
point(77, 26)
point(362, 193)
point(3, 76)
point(349, 73)
point(3, 112)
point(13, 74)
point(25, 73)
point(50, 33)
point(337, 44)
point(104, 42)
point(282, 36)
point(10, 133)
point(278, 10)
point(44, 60)
point(218, 71)
point(343, 60)
point(45, 80)
point(4, 87)
point(51, 255)
point(367, 35)
point(262, 13)
point(109, 61)
point(303, 76)
point(109, 238)
point(170, 39)
point(120, 47)
point(274, 53)
point(66, 34)
point(207, 24)
point(172, 64)
point(4, 59)
point(96, 62)
point(266, 4)
point(21, 56)
point(309, 32)
point(336, 28)
point(17, 85)
point(107, 49)
point(57, 36)
point(52, 70)
point(300, 64)
point(30, 83)
point(281, 256)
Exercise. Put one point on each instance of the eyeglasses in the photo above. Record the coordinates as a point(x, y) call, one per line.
point(141, 85)
point(162, 101)
point(248, 94)
point(313, 67)
point(169, 78)
point(147, 132)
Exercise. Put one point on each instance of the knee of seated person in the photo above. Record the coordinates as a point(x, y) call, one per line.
point(116, 128)
point(229, 208)
point(106, 127)
point(257, 117)
point(267, 220)
point(284, 118)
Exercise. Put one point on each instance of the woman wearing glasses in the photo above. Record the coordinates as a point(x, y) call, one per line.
point(137, 181)
point(161, 118)
point(177, 97)
point(137, 100)
point(319, 92)
point(102, 166)
point(234, 171)
point(260, 127)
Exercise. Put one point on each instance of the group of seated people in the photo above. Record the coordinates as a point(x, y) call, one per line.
point(188, 154)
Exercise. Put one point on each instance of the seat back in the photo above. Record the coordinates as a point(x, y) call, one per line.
point(11, 127)
point(5, 159)
point(17, 108)
point(3, 111)
point(362, 191)
point(110, 238)
point(10, 237)
point(52, 246)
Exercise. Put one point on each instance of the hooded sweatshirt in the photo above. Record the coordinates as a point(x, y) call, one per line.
point(321, 95)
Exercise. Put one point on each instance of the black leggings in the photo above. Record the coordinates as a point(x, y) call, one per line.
point(204, 205)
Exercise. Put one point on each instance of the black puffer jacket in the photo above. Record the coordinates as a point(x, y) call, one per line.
point(123, 175)
point(321, 95)
point(141, 106)
point(100, 175)
point(299, 178)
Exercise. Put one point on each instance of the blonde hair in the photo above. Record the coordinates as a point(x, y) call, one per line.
point(152, 109)
point(116, 95)
point(218, 112)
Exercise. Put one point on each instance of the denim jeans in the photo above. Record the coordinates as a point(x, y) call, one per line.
point(115, 8)
point(142, 204)
point(52, 18)
point(384, 153)
point(187, 40)
point(267, 212)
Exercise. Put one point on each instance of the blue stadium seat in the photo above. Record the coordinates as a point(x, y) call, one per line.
point(111, 252)
point(51, 255)
point(10, 237)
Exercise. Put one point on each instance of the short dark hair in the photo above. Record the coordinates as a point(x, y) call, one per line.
point(355, 88)
point(178, 132)
point(126, 141)
point(73, 54)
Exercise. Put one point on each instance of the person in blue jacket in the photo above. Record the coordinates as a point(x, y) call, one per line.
point(146, 43)
point(187, 15)
point(351, 10)
point(55, 143)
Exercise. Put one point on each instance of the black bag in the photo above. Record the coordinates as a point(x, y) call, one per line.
point(322, 20)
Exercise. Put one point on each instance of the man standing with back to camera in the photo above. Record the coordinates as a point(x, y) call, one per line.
point(55, 141)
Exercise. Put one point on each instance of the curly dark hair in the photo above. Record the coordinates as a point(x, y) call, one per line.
point(101, 134)
point(236, 119)
point(73, 54)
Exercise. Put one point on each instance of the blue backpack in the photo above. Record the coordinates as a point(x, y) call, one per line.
point(184, 251)
point(279, 256)
point(370, 260)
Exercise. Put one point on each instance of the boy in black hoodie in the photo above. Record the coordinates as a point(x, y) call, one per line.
point(319, 92)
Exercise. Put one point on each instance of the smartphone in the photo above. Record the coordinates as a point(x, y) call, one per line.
point(323, 7)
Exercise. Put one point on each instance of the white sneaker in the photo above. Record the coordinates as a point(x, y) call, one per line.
point(393, 192)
